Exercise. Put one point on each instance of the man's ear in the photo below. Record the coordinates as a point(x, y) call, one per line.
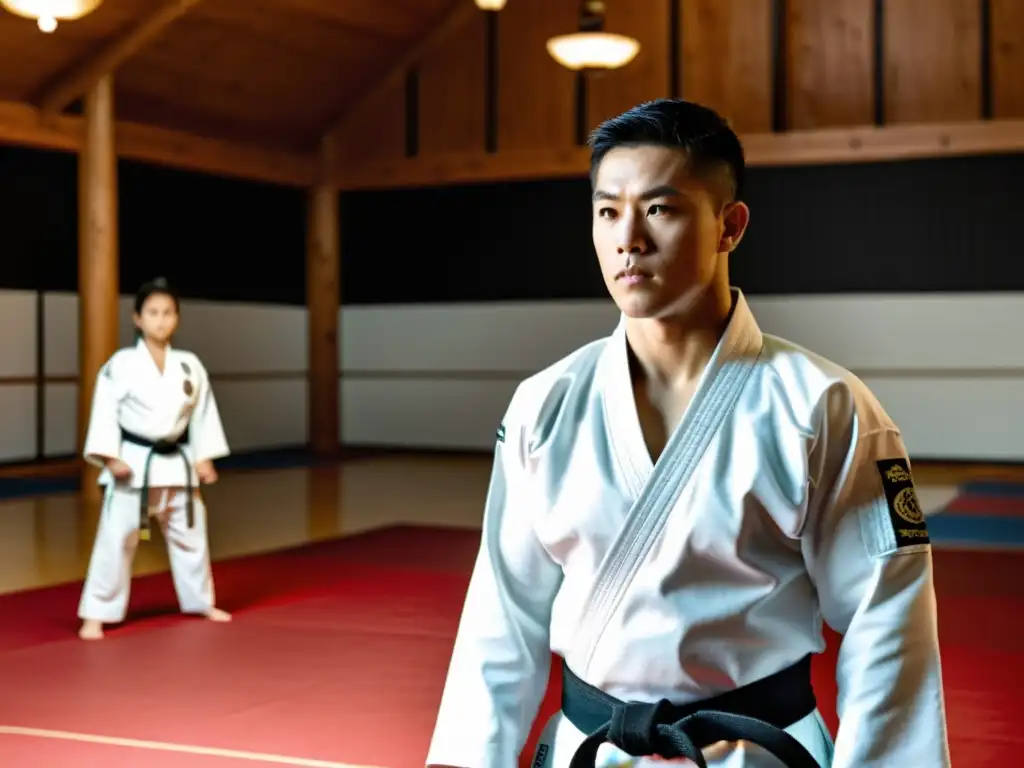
point(735, 218)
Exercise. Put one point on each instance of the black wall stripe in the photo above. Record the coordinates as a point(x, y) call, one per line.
point(780, 50)
point(582, 120)
point(871, 228)
point(491, 81)
point(986, 59)
point(878, 61)
point(675, 80)
point(412, 112)
point(211, 236)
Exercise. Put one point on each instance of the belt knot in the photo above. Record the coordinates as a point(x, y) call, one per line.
point(634, 726)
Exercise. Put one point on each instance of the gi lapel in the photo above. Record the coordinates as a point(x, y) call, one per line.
point(716, 396)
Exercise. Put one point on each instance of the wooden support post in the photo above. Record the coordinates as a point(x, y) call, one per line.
point(323, 300)
point(97, 256)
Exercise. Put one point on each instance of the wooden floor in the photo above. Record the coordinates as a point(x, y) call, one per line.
point(46, 540)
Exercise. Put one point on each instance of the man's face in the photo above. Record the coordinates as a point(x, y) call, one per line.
point(158, 319)
point(661, 233)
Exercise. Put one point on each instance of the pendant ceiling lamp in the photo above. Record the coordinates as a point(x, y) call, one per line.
point(490, 5)
point(48, 12)
point(591, 48)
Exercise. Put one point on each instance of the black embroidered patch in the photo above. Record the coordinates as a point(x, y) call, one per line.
point(501, 433)
point(905, 513)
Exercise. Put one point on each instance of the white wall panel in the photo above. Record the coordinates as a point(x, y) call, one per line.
point(18, 411)
point(236, 338)
point(257, 414)
point(237, 342)
point(511, 337)
point(980, 419)
point(902, 331)
point(263, 413)
point(934, 360)
point(231, 338)
point(424, 413)
point(60, 416)
point(60, 334)
point(18, 351)
point(17, 333)
point(439, 376)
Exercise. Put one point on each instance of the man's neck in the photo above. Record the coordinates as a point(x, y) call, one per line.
point(674, 351)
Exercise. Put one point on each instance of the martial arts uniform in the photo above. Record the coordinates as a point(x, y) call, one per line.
point(783, 498)
point(160, 424)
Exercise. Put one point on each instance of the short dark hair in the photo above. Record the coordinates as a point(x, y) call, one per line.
point(158, 285)
point(698, 130)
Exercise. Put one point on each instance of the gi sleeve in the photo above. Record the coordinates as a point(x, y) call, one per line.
point(206, 433)
point(867, 550)
point(500, 664)
point(103, 437)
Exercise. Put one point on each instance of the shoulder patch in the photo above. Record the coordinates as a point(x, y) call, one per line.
point(905, 513)
point(501, 433)
point(115, 361)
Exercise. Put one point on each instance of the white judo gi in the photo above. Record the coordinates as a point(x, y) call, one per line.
point(782, 499)
point(132, 394)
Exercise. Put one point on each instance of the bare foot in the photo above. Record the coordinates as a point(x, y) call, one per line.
point(91, 630)
point(216, 614)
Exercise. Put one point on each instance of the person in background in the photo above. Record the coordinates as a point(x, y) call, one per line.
point(155, 431)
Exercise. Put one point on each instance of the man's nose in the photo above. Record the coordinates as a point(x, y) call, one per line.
point(632, 236)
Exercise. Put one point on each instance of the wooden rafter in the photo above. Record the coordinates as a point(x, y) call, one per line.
point(379, 85)
point(25, 125)
point(819, 147)
point(68, 86)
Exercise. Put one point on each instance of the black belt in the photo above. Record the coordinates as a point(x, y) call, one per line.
point(160, 448)
point(757, 713)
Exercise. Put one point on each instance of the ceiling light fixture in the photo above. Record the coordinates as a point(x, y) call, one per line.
point(48, 12)
point(591, 48)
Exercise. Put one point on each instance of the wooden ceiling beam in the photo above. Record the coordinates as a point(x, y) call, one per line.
point(68, 86)
point(25, 125)
point(832, 146)
point(379, 85)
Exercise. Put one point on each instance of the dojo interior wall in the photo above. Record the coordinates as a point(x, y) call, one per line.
point(908, 273)
point(234, 249)
point(439, 376)
point(256, 355)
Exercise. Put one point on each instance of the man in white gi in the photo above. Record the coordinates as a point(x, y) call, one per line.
point(675, 509)
point(155, 430)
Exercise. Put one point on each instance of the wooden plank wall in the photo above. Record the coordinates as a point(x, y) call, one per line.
point(770, 66)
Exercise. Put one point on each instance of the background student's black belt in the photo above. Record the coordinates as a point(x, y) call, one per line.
point(758, 713)
point(160, 448)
